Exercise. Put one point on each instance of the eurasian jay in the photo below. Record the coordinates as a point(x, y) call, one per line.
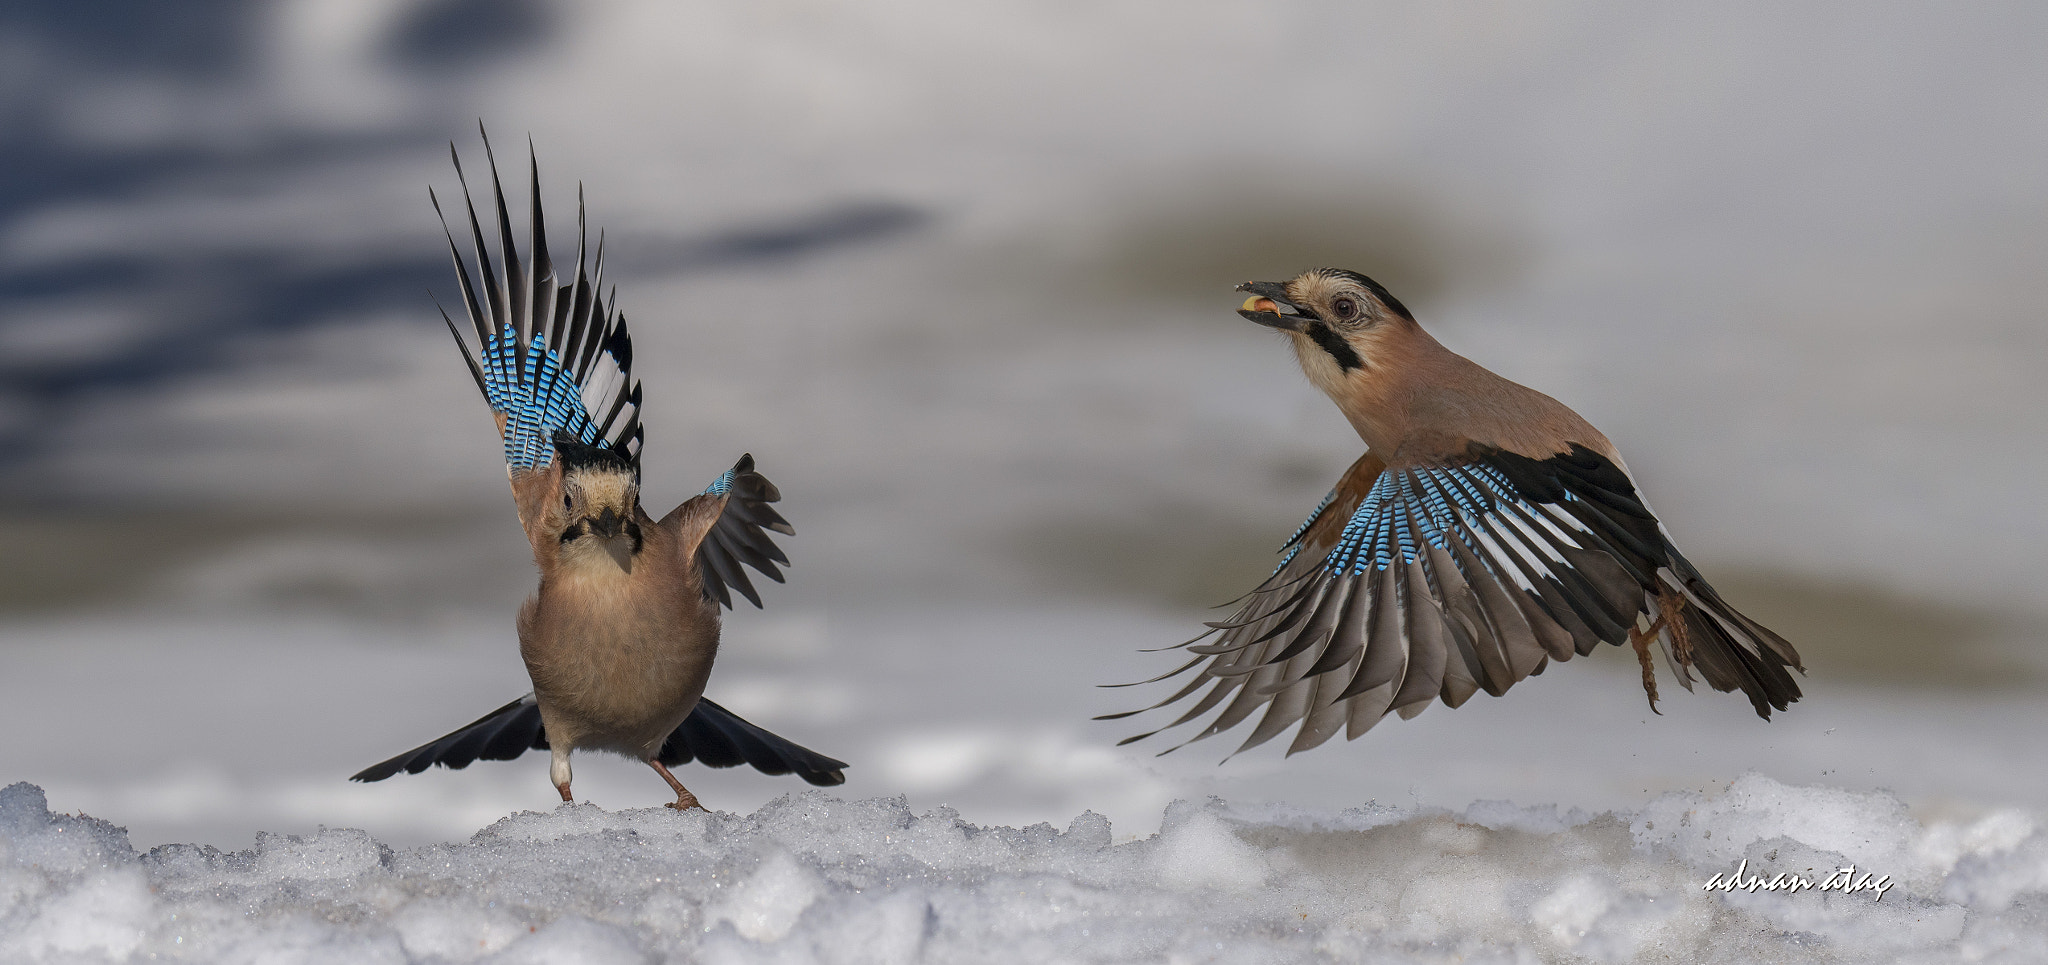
point(1486, 531)
point(620, 636)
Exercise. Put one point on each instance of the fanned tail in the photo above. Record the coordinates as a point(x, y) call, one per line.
point(711, 735)
point(500, 735)
point(716, 737)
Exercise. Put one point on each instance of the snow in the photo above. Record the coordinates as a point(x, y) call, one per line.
point(1022, 436)
point(985, 711)
point(812, 878)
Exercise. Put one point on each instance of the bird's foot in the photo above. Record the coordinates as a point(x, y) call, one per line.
point(1669, 602)
point(1640, 639)
point(567, 798)
point(684, 799)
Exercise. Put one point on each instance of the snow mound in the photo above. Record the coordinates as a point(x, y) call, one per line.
point(809, 878)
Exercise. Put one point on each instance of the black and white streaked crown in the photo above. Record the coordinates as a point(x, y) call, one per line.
point(551, 358)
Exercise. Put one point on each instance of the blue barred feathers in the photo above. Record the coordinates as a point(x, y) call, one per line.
point(537, 401)
point(1293, 544)
point(1409, 508)
point(549, 357)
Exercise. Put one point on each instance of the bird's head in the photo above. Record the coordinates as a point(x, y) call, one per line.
point(600, 493)
point(1341, 321)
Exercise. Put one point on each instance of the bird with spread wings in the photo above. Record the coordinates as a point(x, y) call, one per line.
point(620, 636)
point(1487, 531)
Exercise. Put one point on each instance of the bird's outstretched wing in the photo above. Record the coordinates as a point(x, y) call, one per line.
point(1414, 583)
point(711, 735)
point(741, 534)
point(548, 357)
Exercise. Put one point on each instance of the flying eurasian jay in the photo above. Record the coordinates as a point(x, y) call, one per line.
point(620, 636)
point(1486, 531)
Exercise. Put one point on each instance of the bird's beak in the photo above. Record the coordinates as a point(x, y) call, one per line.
point(1269, 306)
point(608, 524)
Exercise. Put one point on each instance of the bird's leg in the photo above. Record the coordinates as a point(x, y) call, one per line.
point(1640, 639)
point(684, 799)
point(558, 772)
point(1669, 602)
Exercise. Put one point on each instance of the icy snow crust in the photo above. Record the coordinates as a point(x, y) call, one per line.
point(810, 878)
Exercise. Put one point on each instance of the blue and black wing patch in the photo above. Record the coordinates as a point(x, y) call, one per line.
point(711, 735)
point(740, 536)
point(1446, 580)
point(548, 357)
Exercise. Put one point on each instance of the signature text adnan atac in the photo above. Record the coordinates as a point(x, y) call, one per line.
point(1844, 880)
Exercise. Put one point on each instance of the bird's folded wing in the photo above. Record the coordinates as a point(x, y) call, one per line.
point(716, 737)
point(548, 357)
point(1447, 579)
point(740, 534)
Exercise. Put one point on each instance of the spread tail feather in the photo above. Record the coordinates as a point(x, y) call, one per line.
point(711, 735)
point(716, 737)
point(500, 735)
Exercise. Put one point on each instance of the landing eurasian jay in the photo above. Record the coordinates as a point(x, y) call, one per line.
point(1487, 531)
point(620, 636)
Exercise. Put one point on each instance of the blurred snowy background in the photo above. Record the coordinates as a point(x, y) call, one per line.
point(959, 276)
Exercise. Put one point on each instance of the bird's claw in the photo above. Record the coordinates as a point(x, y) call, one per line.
point(1640, 639)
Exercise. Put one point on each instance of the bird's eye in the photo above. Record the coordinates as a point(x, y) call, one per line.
point(1345, 308)
point(566, 504)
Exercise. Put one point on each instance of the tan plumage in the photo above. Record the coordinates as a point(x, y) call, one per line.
point(620, 636)
point(619, 643)
point(1416, 401)
point(1487, 531)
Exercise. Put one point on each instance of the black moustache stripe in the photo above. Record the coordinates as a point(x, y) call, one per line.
point(581, 528)
point(1333, 343)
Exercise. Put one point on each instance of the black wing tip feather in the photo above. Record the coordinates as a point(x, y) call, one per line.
point(476, 372)
point(739, 539)
point(524, 301)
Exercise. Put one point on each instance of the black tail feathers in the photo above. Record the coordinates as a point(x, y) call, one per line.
point(711, 735)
